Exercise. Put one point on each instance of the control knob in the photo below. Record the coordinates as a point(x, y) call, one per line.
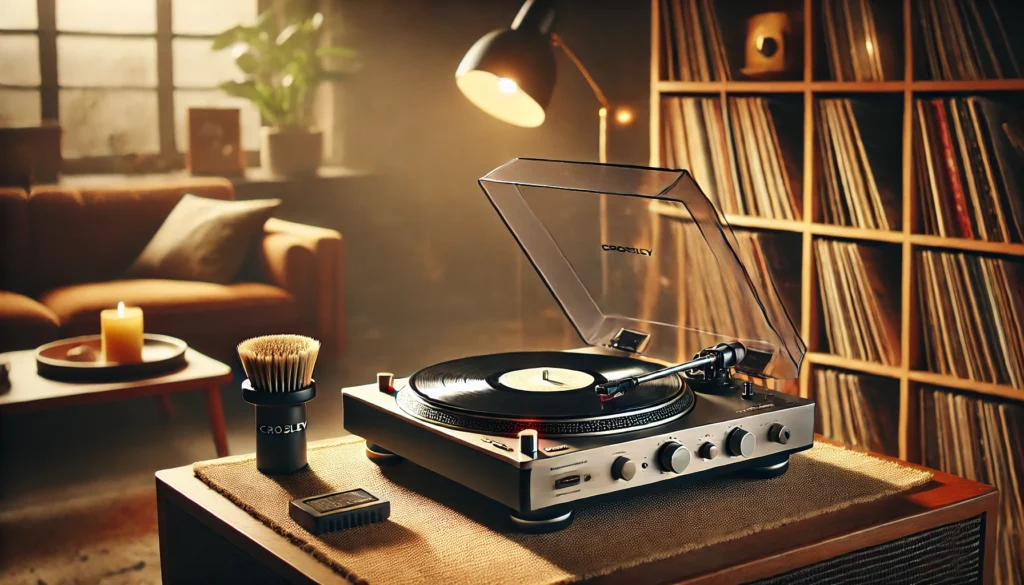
point(673, 457)
point(740, 443)
point(779, 433)
point(623, 469)
point(708, 451)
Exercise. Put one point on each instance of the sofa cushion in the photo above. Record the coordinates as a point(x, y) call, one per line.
point(13, 239)
point(25, 323)
point(201, 313)
point(204, 239)
point(94, 234)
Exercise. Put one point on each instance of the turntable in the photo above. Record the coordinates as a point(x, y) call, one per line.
point(682, 342)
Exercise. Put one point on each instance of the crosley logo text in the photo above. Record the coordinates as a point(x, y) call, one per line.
point(282, 429)
point(627, 250)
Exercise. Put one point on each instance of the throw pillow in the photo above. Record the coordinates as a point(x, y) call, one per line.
point(203, 239)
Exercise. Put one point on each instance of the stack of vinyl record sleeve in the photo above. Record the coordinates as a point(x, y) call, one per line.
point(969, 159)
point(860, 319)
point(735, 154)
point(860, 165)
point(848, 414)
point(982, 439)
point(694, 49)
point(971, 316)
point(852, 41)
point(970, 39)
point(773, 262)
point(700, 306)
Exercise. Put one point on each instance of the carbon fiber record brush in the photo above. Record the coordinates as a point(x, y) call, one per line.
point(279, 384)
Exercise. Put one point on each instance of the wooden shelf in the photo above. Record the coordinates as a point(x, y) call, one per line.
point(858, 86)
point(837, 361)
point(969, 86)
point(730, 86)
point(765, 223)
point(904, 92)
point(947, 381)
point(928, 241)
point(855, 233)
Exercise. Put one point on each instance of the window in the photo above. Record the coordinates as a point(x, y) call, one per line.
point(119, 75)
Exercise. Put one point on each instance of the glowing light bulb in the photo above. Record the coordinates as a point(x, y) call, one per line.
point(624, 116)
point(120, 309)
point(506, 85)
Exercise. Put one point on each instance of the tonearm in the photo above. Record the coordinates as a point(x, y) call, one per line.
point(710, 362)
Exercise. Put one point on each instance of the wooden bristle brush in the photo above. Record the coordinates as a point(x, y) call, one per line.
point(279, 363)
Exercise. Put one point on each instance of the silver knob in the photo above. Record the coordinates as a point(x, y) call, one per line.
point(740, 443)
point(673, 457)
point(623, 468)
point(779, 433)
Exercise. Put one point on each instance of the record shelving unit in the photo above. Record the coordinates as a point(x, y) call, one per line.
point(910, 374)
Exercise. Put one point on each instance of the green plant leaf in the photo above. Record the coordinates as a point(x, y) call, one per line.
point(327, 75)
point(248, 62)
point(227, 38)
point(336, 52)
point(288, 34)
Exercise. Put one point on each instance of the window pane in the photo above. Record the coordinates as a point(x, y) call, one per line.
point(185, 99)
point(19, 15)
point(19, 107)
point(108, 16)
point(99, 122)
point(19, 60)
point(106, 62)
point(196, 65)
point(203, 17)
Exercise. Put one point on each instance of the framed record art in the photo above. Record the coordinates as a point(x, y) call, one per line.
point(215, 142)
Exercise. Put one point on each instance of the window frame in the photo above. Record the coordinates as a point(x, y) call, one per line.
point(168, 157)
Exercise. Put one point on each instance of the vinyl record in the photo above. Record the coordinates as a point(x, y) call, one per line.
point(539, 385)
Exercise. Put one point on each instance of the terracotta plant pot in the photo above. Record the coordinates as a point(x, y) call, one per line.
point(291, 152)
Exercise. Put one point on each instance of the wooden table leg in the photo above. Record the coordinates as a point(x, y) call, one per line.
point(166, 409)
point(215, 409)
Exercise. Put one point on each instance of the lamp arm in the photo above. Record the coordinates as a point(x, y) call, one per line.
point(559, 42)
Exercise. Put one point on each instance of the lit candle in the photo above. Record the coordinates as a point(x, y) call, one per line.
point(121, 334)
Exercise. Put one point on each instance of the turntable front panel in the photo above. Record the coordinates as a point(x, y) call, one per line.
point(596, 466)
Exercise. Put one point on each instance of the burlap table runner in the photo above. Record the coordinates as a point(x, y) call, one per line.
point(441, 532)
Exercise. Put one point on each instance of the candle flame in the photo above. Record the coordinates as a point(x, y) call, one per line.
point(120, 309)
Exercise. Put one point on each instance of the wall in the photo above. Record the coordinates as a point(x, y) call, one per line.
point(427, 255)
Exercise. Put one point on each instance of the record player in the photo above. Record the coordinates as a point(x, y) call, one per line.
point(681, 342)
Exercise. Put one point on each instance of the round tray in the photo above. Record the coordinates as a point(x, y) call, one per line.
point(160, 354)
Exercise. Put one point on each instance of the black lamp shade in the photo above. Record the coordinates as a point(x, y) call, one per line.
point(510, 74)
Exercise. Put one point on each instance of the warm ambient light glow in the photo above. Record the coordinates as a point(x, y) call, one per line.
point(624, 116)
point(506, 85)
point(488, 93)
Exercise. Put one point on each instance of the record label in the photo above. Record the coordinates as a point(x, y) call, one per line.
point(546, 379)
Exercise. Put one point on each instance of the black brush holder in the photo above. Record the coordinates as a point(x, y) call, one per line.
point(280, 427)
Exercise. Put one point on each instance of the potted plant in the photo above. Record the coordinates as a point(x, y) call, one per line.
point(283, 63)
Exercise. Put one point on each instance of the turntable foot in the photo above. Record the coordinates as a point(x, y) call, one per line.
point(768, 471)
point(540, 523)
point(380, 455)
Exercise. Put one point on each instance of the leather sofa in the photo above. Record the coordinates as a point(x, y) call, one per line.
point(63, 251)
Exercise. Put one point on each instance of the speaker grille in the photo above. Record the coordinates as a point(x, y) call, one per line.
point(947, 554)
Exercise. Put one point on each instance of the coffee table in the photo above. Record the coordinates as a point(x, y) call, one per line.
point(31, 392)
